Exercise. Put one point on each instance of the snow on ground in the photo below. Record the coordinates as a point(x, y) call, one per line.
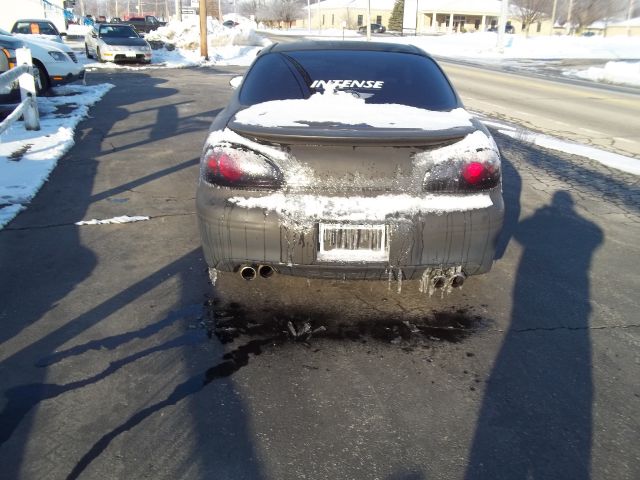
point(622, 73)
point(114, 220)
point(610, 159)
point(28, 157)
point(479, 46)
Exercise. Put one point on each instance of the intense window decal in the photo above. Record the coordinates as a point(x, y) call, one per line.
point(371, 84)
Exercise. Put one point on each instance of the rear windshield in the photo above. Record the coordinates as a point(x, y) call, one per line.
point(378, 77)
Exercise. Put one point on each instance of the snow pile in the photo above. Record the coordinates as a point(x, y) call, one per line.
point(344, 108)
point(624, 73)
point(114, 220)
point(74, 30)
point(179, 46)
point(28, 157)
point(185, 35)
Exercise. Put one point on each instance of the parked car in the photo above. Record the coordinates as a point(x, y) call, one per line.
point(145, 24)
point(347, 160)
point(39, 28)
point(115, 20)
point(54, 63)
point(115, 42)
point(375, 28)
point(8, 46)
point(230, 23)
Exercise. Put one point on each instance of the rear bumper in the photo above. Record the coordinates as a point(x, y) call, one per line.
point(233, 236)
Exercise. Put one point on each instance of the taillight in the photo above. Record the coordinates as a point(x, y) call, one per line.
point(239, 167)
point(473, 171)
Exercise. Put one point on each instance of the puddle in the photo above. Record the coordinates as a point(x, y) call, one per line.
point(446, 326)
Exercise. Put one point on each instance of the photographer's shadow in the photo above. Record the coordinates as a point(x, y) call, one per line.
point(536, 417)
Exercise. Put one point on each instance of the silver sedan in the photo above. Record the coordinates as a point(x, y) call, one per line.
point(108, 42)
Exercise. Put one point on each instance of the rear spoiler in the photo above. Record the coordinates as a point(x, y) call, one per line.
point(354, 135)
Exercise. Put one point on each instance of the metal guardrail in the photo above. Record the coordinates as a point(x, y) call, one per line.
point(28, 107)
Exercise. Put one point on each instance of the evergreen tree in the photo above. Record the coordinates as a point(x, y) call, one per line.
point(395, 22)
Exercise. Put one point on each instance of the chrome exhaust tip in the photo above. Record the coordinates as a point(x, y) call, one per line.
point(265, 271)
point(248, 273)
point(439, 281)
point(458, 279)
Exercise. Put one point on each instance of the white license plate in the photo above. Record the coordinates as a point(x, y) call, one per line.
point(130, 54)
point(352, 243)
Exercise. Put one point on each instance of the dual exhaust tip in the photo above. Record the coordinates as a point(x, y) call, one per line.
point(250, 272)
point(456, 280)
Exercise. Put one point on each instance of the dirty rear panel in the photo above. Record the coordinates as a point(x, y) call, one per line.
point(234, 236)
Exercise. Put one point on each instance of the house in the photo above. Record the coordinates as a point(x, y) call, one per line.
point(350, 14)
point(433, 16)
point(629, 27)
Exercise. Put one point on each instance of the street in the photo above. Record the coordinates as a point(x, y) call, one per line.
point(113, 366)
point(601, 117)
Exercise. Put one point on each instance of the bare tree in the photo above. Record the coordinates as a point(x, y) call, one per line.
point(586, 12)
point(252, 7)
point(282, 11)
point(532, 11)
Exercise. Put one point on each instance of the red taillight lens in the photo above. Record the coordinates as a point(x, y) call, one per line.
point(225, 166)
point(473, 172)
point(240, 168)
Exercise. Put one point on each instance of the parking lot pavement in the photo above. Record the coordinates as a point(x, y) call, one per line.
point(114, 366)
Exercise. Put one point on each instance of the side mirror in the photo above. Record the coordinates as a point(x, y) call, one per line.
point(235, 81)
point(94, 34)
point(63, 34)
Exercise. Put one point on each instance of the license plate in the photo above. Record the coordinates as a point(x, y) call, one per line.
point(130, 54)
point(352, 243)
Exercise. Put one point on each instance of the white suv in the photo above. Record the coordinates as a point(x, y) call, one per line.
point(55, 63)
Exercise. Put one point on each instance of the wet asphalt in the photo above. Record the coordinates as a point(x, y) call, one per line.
point(116, 362)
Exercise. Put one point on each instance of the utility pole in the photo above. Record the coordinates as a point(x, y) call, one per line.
point(204, 48)
point(569, 17)
point(309, 15)
point(629, 13)
point(179, 10)
point(502, 24)
point(553, 15)
point(368, 20)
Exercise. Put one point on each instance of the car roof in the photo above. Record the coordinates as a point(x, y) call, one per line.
point(33, 20)
point(311, 45)
point(107, 24)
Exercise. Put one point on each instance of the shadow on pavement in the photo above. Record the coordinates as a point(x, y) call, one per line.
point(44, 315)
point(512, 189)
point(536, 416)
